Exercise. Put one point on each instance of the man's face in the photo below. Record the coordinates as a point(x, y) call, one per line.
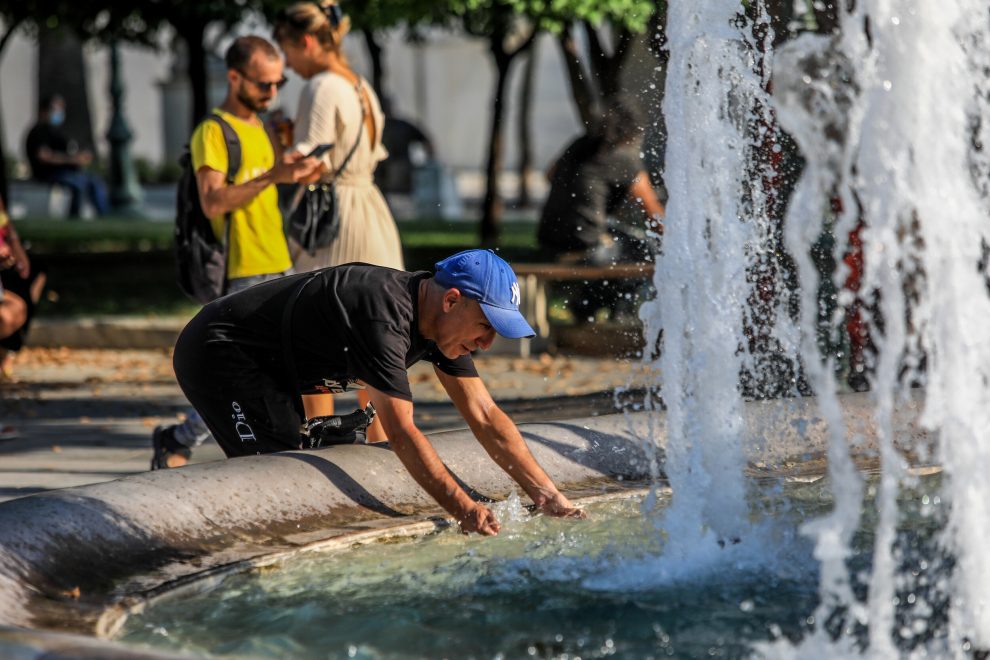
point(257, 84)
point(462, 327)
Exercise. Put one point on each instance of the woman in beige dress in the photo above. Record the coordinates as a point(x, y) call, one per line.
point(330, 111)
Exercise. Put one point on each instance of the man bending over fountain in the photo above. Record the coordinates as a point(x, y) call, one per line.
point(244, 359)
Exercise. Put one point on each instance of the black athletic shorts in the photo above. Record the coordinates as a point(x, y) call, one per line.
point(245, 408)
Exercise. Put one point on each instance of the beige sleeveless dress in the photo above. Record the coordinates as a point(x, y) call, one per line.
point(330, 112)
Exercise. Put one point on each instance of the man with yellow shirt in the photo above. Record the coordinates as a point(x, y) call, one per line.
point(257, 250)
point(243, 212)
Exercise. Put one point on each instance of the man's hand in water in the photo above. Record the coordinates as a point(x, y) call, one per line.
point(559, 506)
point(480, 519)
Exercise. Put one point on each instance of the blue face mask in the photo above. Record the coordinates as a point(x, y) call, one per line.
point(56, 118)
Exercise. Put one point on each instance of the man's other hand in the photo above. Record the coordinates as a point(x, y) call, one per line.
point(560, 507)
point(294, 168)
point(480, 519)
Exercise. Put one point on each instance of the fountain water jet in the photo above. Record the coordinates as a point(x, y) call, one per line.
point(890, 114)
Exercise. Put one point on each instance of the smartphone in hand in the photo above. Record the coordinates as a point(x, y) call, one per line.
point(319, 150)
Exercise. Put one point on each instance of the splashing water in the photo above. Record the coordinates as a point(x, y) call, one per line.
point(890, 114)
point(711, 85)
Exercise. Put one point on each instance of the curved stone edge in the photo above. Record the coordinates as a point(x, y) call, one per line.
point(25, 643)
point(66, 556)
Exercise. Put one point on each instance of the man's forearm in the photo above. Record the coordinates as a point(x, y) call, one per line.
point(503, 442)
point(422, 462)
point(227, 199)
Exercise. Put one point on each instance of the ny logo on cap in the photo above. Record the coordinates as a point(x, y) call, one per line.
point(516, 298)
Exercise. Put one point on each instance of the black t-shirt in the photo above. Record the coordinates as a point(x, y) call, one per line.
point(350, 322)
point(588, 182)
point(45, 135)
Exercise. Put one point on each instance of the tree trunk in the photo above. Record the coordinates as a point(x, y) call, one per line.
point(491, 213)
point(525, 125)
point(193, 34)
point(62, 71)
point(377, 68)
point(607, 67)
point(582, 93)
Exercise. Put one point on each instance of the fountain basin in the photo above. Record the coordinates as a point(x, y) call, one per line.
point(78, 559)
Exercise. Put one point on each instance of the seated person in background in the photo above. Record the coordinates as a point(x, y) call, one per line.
point(54, 158)
point(21, 282)
point(588, 183)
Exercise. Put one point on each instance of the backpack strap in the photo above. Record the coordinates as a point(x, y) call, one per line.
point(233, 144)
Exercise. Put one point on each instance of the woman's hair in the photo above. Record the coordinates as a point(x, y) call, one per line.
point(324, 20)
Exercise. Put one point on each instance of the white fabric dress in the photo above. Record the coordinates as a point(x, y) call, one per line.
point(330, 112)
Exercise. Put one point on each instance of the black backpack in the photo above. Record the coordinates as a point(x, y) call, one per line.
point(200, 259)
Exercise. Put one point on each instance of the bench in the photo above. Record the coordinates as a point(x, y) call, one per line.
point(38, 199)
point(534, 283)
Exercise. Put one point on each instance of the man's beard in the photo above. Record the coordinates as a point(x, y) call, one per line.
point(254, 105)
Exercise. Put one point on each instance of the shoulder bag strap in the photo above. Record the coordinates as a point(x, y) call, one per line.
point(233, 143)
point(343, 166)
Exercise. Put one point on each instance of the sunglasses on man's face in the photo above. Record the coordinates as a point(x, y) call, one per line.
point(262, 85)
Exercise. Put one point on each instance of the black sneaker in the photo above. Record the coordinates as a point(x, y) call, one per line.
point(164, 444)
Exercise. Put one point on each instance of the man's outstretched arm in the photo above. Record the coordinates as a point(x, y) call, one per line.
point(421, 460)
point(501, 439)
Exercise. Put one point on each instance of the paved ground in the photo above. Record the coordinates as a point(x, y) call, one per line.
point(85, 416)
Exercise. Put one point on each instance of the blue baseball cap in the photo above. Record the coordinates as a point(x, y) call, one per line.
point(484, 276)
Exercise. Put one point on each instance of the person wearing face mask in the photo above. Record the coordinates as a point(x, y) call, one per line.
point(245, 358)
point(55, 159)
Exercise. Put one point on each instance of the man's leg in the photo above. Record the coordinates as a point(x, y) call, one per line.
point(173, 444)
point(252, 423)
point(97, 193)
point(75, 181)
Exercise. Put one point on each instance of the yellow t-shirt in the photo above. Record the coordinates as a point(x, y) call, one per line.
point(257, 241)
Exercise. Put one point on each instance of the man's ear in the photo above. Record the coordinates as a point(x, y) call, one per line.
point(450, 298)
